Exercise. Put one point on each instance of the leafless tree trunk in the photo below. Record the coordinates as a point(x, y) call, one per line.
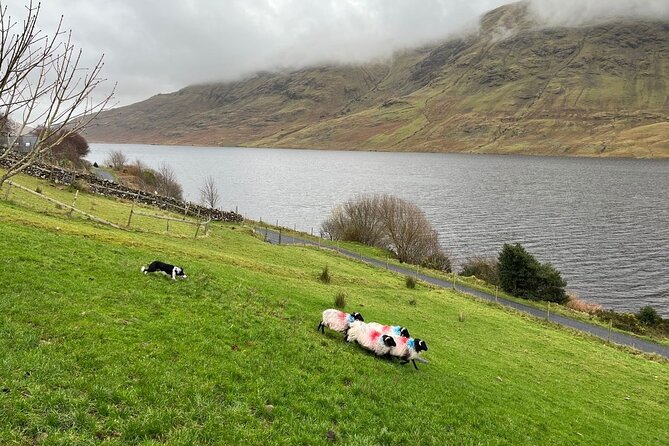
point(42, 84)
point(209, 193)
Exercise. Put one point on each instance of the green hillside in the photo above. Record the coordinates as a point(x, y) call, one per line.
point(95, 352)
point(513, 87)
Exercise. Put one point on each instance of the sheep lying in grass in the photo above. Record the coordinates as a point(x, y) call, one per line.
point(338, 320)
point(408, 349)
point(393, 330)
point(370, 338)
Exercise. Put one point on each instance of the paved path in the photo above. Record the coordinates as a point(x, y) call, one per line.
point(603, 333)
point(103, 174)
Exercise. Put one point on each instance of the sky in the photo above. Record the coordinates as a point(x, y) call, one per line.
point(160, 46)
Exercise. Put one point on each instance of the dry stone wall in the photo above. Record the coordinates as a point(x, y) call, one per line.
point(100, 186)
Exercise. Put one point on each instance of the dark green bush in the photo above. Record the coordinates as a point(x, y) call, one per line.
point(411, 282)
point(648, 316)
point(522, 275)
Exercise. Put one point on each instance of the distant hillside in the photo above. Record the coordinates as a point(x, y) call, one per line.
point(515, 87)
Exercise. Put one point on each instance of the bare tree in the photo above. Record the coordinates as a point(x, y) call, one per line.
point(116, 159)
point(43, 84)
point(209, 193)
point(390, 223)
point(167, 184)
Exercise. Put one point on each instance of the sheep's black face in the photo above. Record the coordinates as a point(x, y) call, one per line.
point(357, 316)
point(388, 341)
point(420, 345)
point(404, 332)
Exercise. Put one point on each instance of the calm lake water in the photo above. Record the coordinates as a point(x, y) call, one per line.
point(604, 223)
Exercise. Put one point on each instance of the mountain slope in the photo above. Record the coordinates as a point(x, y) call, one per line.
point(514, 87)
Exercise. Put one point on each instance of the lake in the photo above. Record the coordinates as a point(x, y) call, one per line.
point(604, 223)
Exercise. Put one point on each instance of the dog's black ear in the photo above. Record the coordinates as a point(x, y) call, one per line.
point(388, 341)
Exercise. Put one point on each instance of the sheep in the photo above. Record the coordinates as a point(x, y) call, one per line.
point(407, 349)
point(370, 338)
point(338, 320)
point(393, 330)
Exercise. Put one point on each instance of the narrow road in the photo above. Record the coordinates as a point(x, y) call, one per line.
point(603, 333)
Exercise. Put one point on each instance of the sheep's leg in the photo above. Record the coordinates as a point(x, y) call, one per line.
point(321, 327)
point(404, 361)
point(414, 364)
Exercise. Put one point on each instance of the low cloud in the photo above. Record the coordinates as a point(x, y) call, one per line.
point(159, 46)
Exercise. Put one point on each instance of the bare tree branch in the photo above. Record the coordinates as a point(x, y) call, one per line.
point(42, 84)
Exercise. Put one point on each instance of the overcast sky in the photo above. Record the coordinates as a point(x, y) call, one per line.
point(159, 46)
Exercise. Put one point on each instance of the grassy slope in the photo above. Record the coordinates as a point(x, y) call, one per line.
point(93, 350)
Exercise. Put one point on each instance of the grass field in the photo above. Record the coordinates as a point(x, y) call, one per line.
point(94, 352)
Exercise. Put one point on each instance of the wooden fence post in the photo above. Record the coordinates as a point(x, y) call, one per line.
point(453, 279)
point(197, 229)
point(9, 186)
point(279, 236)
point(610, 327)
point(74, 202)
point(548, 311)
point(132, 209)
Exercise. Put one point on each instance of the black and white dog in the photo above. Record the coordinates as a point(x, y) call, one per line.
point(166, 268)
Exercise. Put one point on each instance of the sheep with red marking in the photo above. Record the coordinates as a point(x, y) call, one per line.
point(338, 320)
point(369, 338)
point(408, 349)
point(393, 330)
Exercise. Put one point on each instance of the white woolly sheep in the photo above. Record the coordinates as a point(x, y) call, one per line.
point(407, 349)
point(393, 330)
point(370, 338)
point(338, 320)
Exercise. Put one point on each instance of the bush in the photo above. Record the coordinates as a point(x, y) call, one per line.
point(523, 276)
point(648, 316)
point(340, 300)
point(390, 223)
point(484, 268)
point(576, 304)
point(411, 282)
point(325, 275)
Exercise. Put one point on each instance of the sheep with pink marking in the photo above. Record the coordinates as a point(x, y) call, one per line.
point(407, 349)
point(393, 330)
point(338, 320)
point(370, 338)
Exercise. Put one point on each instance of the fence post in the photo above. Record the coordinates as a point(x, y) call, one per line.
point(9, 186)
point(610, 326)
point(132, 209)
point(168, 225)
point(206, 227)
point(453, 279)
point(496, 287)
point(279, 236)
point(74, 202)
point(548, 311)
point(197, 229)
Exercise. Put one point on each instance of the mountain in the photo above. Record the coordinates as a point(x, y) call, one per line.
point(515, 86)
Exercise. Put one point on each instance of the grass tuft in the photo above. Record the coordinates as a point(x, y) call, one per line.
point(340, 300)
point(325, 275)
point(411, 282)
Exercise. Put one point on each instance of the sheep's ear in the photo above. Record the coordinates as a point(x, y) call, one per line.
point(388, 341)
point(404, 332)
point(422, 345)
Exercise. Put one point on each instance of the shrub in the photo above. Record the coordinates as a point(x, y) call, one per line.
point(522, 275)
point(387, 222)
point(116, 159)
point(576, 304)
point(325, 275)
point(648, 316)
point(484, 268)
point(411, 282)
point(38, 190)
point(340, 300)
point(413, 302)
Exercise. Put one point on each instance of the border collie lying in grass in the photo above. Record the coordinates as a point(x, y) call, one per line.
point(166, 268)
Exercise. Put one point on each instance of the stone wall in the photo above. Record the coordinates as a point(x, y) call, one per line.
point(93, 184)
